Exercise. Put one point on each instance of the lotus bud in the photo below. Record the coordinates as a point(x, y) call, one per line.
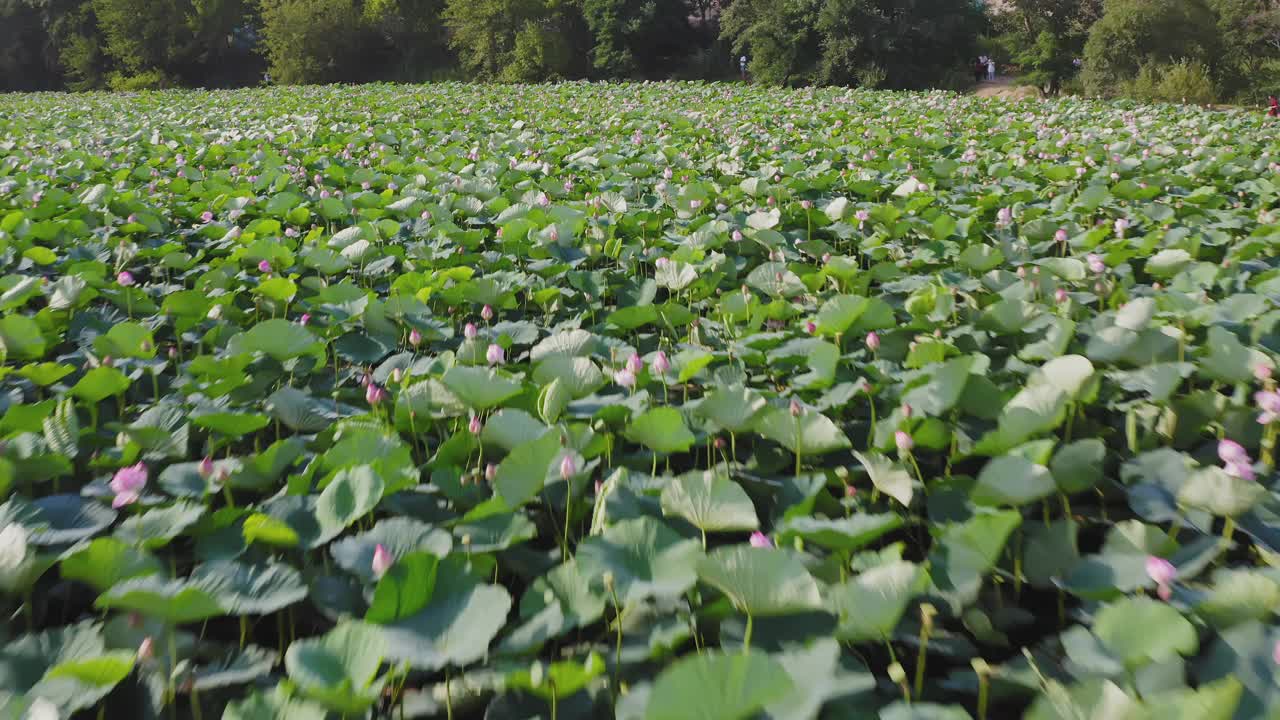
point(397, 375)
point(206, 216)
point(475, 426)
point(737, 236)
point(495, 355)
point(415, 337)
point(625, 378)
point(795, 408)
point(660, 362)
point(568, 467)
point(1060, 236)
point(147, 649)
point(469, 331)
point(374, 395)
point(1095, 263)
point(1230, 451)
point(1262, 373)
point(306, 318)
point(206, 467)
point(490, 472)
point(127, 484)
point(264, 266)
point(382, 561)
point(1060, 296)
point(903, 441)
point(125, 278)
point(810, 327)
point(760, 540)
point(635, 364)
point(873, 341)
point(1004, 217)
point(486, 312)
point(906, 411)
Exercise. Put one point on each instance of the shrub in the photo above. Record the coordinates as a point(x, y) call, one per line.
point(1184, 81)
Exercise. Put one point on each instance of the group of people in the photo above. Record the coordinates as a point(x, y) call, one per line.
point(984, 69)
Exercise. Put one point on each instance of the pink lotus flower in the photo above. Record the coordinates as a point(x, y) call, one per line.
point(124, 278)
point(374, 395)
point(486, 312)
point(127, 484)
point(1004, 217)
point(1262, 373)
point(635, 364)
point(1060, 236)
point(264, 266)
point(306, 318)
point(873, 341)
point(475, 426)
point(737, 236)
point(760, 540)
point(625, 378)
point(1244, 471)
point(206, 467)
point(1162, 572)
point(810, 327)
point(469, 331)
point(861, 216)
point(495, 354)
point(382, 561)
point(206, 216)
point(1121, 225)
point(660, 362)
point(1232, 452)
point(1269, 403)
point(1060, 296)
point(568, 467)
point(1095, 263)
point(903, 441)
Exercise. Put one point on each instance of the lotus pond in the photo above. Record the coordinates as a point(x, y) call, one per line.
point(652, 402)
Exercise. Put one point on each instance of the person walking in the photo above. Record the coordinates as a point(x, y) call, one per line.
point(979, 70)
point(991, 68)
point(742, 67)
point(1274, 109)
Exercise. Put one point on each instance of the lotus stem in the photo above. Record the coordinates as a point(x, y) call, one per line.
point(1228, 529)
point(448, 696)
point(927, 612)
point(746, 638)
point(983, 672)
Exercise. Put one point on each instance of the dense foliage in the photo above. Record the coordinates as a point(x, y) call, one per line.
point(637, 401)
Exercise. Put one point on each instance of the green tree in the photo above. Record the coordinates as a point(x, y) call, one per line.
point(896, 43)
point(648, 38)
point(518, 40)
point(1046, 37)
point(312, 41)
point(780, 38)
point(1136, 33)
point(1249, 31)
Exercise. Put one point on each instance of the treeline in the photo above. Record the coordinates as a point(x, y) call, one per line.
point(135, 44)
point(1177, 50)
point(1197, 51)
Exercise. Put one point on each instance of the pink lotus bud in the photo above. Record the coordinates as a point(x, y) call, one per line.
point(206, 216)
point(737, 236)
point(1262, 373)
point(806, 204)
point(906, 411)
point(382, 561)
point(495, 355)
point(1121, 225)
point(206, 467)
point(861, 216)
point(469, 331)
point(850, 491)
point(490, 472)
point(1095, 263)
point(1275, 653)
point(872, 341)
point(660, 362)
point(1160, 570)
point(826, 258)
point(810, 327)
point(474, 426)
point(374, 394)
point(124, 278)
point(1060, 236)
point(264, 266)
point(635, 364)
point(146, 649)
point(568, 467)
point(1060, 295)
point(306, 318)
point(795, 408)
point(397, 375)
point(131, 219)
point(903, 441)
point(760, 540)
point(1004, 216)
point(415, 337)
point(486, 312)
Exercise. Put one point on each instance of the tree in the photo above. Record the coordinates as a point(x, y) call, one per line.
point(413, 34)
point(312, 41)
point(1135, 33)
point(518, 40)
point(779, 36)
point(1045, 38)
point(896, 43)
point(647, 38)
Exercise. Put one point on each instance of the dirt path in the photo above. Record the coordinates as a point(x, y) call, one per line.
point(1005, 88)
